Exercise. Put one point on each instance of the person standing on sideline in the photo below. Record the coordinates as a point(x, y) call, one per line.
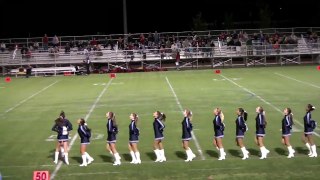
point(241, 128)
point(158, 128)
point(134, 139)
point(84, 133)
point(112, 130)
point(261, 123)
point(62, 126)
point(287, 123)
point(186, 134)
point(308, 131)
point(218, 127)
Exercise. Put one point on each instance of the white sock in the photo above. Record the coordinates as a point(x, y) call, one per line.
point(244, 151)
point(56, 156)
point(290, 149)
point(314, 149)
point(133, 156)
point(137, 155)
point(191, 153)
point(222, 153)
point(84, 159)
point(157, 152)
point(162, 156)
point(66, 158)
point(117, 157)
point(309, 147)
point(88, 156)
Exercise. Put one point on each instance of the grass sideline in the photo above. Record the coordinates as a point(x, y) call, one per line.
point(29, 106)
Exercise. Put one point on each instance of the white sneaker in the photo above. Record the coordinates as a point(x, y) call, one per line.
point(83, 165)
point(163, 159)
point(190, 158)
point(90, 160)
point(55, 162)
point(133, 162)
point(291, 155)
point(310, 153)
point(117, 163)
point(137, 162)
point(222, 158)
point(313, 155)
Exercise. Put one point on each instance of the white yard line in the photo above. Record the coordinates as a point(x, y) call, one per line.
point(263, 100)
point(54, 173)
point(181, 109)
point(28, 98)
point(302, 82)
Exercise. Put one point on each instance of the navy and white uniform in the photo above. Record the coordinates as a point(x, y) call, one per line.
point(84, 134)
point(286, 125)
point(307, 123)
point(133, 132)
point(112, 131)
point(260, 125)
point(158, 128)
point(241, 127)
point(62, 129)
point(186, 129)
point(218, 127)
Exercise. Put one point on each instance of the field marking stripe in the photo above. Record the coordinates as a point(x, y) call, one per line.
point(263, 100)
point(288, 77)
point(181, 109)
point(86, 118)
point(28, 98)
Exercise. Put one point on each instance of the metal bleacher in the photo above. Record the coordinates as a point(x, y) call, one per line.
point(221, 55)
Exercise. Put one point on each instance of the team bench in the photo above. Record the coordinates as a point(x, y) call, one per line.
point(45, 71)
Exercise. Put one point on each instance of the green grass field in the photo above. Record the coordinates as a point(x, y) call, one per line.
point(28, 108)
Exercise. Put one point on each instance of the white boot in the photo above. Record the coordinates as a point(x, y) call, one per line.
point(264, 152)
point(117, 159)
point(190, 155)
point(133, 156)
point(56, 157)
point(89, 158)
point(309, 148)
point(222, 154)
point(157, 152)
point(138, 160)
point(245, 153)
point(291, 152)
point(314, 151)
point(162, 156)
point(84, 160)
point(66, 160)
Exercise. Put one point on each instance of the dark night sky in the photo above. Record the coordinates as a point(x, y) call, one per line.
point(69, 17)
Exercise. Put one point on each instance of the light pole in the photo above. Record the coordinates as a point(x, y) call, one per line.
point(125, 25)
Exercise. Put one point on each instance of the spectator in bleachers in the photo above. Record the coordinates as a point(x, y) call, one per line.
point(35, 45)
point(2, 47)
point(55, 41)
point(67, 48)
point(45, 42)
point(156, 38)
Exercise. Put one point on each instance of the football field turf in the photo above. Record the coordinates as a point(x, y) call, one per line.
point(29, 106)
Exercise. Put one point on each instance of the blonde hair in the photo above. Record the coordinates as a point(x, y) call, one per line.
point(189, 114)
point(219, 111)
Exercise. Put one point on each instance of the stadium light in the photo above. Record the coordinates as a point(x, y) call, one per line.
point(125, 25)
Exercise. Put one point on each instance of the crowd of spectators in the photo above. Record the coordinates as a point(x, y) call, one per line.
point(167, 45)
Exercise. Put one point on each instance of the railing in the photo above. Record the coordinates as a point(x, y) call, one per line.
point(211, 34)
